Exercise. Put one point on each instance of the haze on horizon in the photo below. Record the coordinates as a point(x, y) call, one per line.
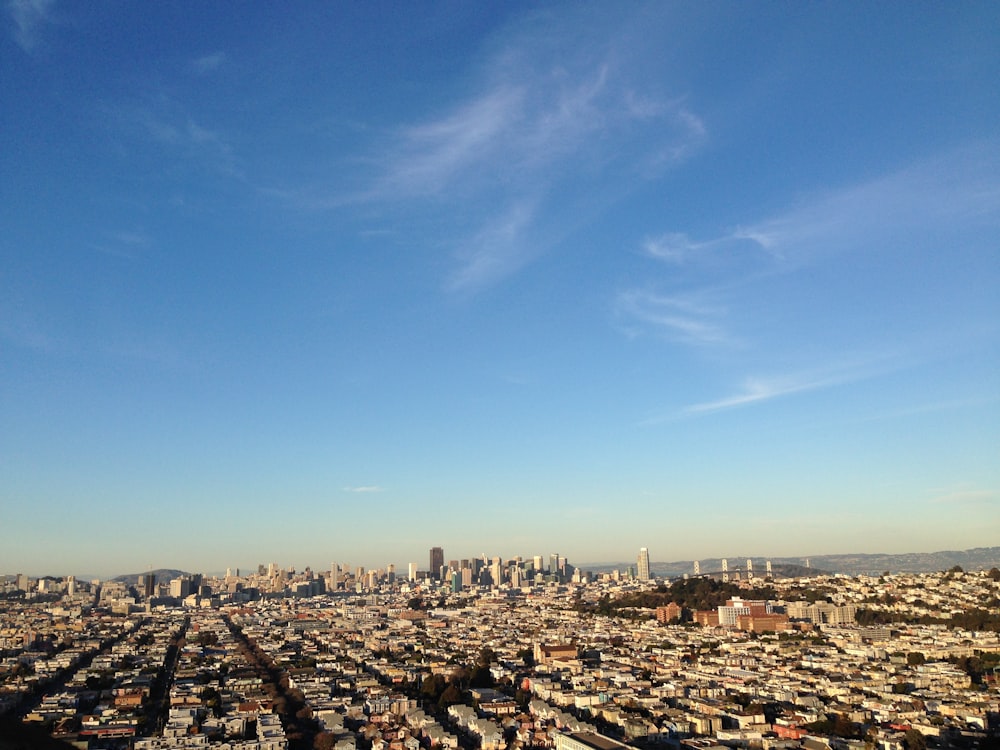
point(342, 282)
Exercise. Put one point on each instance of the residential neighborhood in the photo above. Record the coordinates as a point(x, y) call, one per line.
point(883, 662)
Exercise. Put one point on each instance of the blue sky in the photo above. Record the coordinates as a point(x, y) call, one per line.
point(342, 281)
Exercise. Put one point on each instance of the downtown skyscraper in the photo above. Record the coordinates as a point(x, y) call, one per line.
point(436, 562)
point(644, 564)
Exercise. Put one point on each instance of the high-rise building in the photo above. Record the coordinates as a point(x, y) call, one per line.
point(148, 585)
point(643, 564)
point(412, 572)
point(496, 571)
point(437, 562)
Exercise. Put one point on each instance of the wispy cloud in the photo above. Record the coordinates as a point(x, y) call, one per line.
point(939, 212)
point(496, 251)
point(364, 489)
point(169, 124)
point(965, 495)
point(950, 192)
point(678, 317)
point(208, 63)
point(432, 156)
point(541, 128)
point(29, 18)
point(947, 192)
point(674, 247)
point(758, 390)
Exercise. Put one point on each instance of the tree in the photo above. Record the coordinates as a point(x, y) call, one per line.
point(915, 658)
point(207, 638)
point(450, 696)
point(481, 677)
point(486, 656)
point(914, 740)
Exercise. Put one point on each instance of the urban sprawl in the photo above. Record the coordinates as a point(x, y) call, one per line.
point(504, 654)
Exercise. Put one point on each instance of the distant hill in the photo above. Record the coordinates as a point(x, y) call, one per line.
point(162, 574)
point(980, 558)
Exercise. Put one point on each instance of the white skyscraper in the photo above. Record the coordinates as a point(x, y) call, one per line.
point(643, 564)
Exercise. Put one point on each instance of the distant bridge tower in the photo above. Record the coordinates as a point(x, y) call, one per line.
point(725, 570)
point(768, 567)
point(807, 563)
point(749, 569)
point(697, 568)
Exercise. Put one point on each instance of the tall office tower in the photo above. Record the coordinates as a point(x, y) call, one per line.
point(334, 576)
point(271, 569)
point(554, 564)
point(697, 568)
point(515, 576)
point(390, 573)
point(148, 585)
point(437, 562)
point(71, 585)
point(496, 571)
point(412, 572)
point(643, 564)
point(538, 563)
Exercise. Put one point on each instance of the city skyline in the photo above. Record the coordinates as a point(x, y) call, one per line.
point(343, 281)
point(980, 558)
